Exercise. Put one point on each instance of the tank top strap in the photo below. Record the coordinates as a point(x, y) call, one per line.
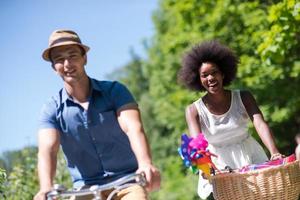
point(203, 115)
point(238, 103)
point(236, 100)
point(197, 104)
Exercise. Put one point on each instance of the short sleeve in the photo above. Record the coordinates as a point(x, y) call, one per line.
point(47, 116)
point(121, 96)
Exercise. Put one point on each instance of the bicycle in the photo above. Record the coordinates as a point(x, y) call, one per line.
point(59, 191)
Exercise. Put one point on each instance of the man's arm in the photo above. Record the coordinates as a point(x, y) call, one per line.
point(48, 140)
point(130, 122)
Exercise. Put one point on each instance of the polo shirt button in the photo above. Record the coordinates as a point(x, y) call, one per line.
point(94, 139)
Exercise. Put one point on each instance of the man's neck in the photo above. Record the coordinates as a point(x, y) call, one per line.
point(80, 90)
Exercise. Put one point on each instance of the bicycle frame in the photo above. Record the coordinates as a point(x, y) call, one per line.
point(117, 185)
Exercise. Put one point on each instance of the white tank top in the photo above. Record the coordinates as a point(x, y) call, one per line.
point(227, 128)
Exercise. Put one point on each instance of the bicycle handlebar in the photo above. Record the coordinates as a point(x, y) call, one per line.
point(123, 182)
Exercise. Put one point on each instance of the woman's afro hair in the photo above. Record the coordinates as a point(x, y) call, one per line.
point(210, 51)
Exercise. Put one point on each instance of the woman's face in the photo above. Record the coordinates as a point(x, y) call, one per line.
point(211, 77)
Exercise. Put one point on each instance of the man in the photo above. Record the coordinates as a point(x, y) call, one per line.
point(97, 124)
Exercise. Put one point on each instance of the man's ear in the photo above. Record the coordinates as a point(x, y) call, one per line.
point(85, 59)
point(55, 71)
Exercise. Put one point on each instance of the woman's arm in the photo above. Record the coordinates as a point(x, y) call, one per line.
point(297, 151)
point(259, 123)
point(192, 119)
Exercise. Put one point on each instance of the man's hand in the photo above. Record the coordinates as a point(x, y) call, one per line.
point(41, 195)
point(152, 176)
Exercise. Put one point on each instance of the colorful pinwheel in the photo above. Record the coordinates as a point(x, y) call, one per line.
point(195, 154)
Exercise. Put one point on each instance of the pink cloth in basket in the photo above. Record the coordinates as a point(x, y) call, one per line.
point(267, 164)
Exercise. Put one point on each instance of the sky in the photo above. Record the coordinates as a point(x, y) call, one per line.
point(111, 28)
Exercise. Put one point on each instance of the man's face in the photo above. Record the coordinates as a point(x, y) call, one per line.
point(68, 62)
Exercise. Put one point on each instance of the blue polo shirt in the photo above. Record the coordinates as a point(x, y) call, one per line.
point(96, 149)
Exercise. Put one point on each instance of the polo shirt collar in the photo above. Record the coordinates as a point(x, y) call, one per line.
point(94, 84)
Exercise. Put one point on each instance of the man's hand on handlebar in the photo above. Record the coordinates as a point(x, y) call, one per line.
point(152, 176)
point(41, 195)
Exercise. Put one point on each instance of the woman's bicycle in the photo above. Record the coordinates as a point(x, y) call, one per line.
point(59, 191)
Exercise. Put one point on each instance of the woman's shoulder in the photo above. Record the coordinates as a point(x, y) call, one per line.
point(241, 92)
point(246, 95)
point(248, 101)
point(191, 110)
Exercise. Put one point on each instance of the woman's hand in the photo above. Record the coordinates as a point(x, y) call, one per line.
point(297, 151)
point(276, 156)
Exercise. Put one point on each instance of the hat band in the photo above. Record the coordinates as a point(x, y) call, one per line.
point(66, 39)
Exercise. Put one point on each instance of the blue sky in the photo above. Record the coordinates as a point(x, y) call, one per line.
point(109, 27)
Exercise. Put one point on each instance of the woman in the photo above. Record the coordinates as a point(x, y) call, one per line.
point(221, 114)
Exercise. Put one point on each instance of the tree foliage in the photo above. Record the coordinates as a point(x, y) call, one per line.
point(264, 34)
point(21, 182)
point(280, 61)
point(2, 182)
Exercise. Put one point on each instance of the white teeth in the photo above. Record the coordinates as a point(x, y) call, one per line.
point(68, 73)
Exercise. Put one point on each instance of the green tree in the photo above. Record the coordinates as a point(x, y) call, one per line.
point(2, 182)
point(264, 34)
point(22, 181)
point(135, 69)
point(280, 66)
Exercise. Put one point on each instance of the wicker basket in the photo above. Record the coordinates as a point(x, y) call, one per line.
point(274, 183)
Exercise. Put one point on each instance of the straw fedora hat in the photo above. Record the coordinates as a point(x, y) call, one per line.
point(61, 38)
